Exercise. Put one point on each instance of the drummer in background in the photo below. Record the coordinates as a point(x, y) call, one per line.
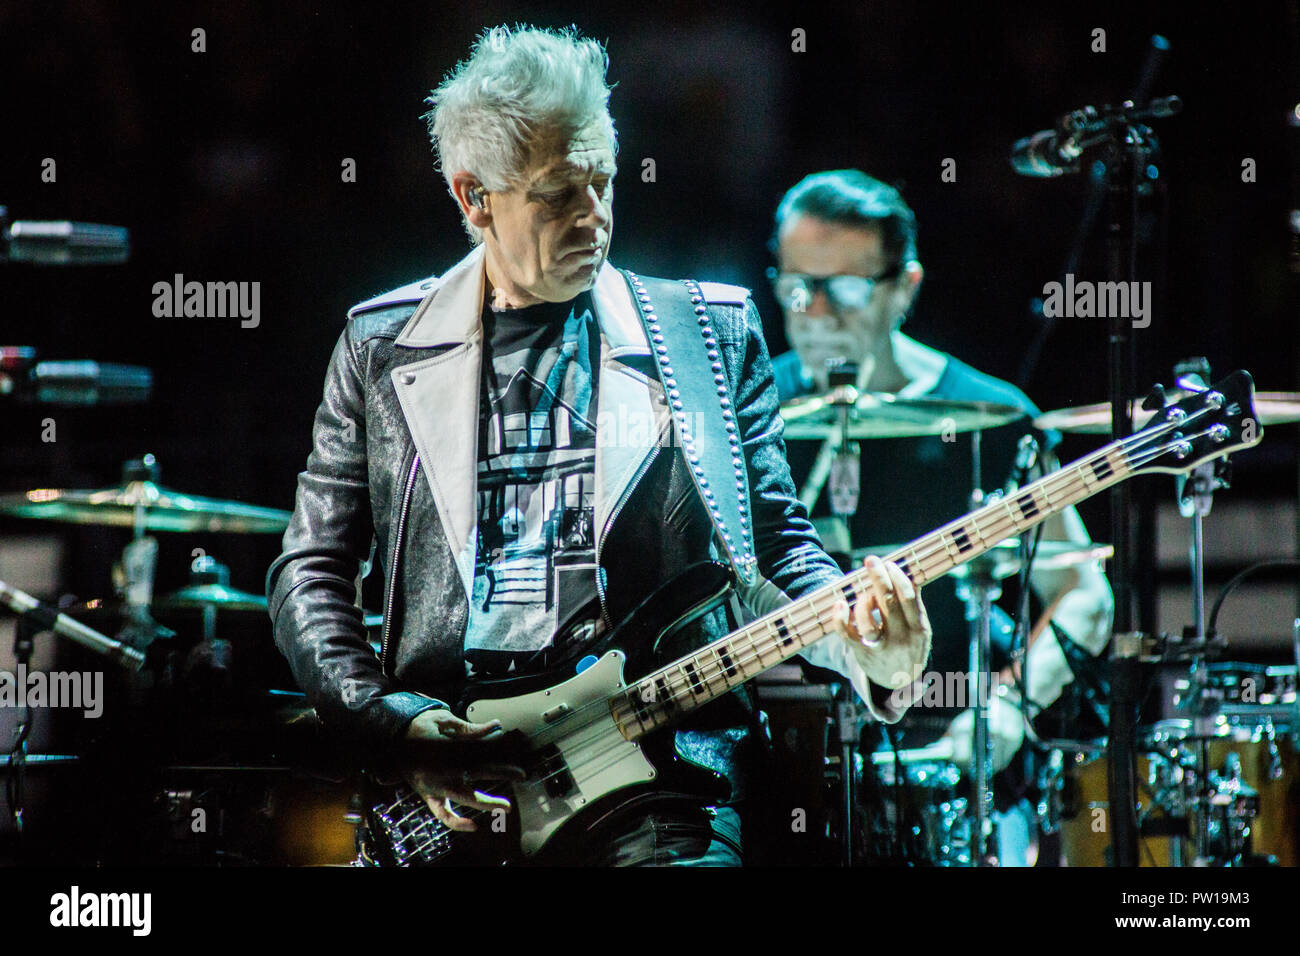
point(846, 278)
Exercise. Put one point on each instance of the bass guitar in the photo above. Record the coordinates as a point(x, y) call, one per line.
point(589, 735)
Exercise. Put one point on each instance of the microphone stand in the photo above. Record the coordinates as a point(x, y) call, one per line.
point(1129, 148)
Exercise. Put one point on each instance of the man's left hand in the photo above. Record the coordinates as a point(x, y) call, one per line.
point(888, 628)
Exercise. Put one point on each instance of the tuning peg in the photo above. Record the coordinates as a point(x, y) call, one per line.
point(1155, 399)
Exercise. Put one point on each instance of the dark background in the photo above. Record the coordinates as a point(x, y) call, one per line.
point(226, 166)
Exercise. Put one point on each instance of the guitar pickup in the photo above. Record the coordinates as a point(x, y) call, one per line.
point(554, 772)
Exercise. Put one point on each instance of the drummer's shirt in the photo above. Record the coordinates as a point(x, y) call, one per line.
point(911, 486)
point(535, 600)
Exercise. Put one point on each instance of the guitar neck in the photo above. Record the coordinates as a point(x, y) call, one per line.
point(660, 698)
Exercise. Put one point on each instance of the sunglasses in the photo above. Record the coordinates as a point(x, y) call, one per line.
point(794, 290)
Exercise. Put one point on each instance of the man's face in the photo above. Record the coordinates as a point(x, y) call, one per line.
point(818, 327)
point(550, 232)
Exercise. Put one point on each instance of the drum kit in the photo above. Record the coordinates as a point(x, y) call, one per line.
point(207, 713)
point(1217, 756)
point(1220, 787)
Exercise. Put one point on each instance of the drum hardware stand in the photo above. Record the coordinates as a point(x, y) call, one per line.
point(979, 590)
point(33, 618)
point(24, 645)
point(849, 727)
point(1295, 646)
point(1128, 146)
point(212, 653)
point(1195, 499)
point(1196, 496)
point(845, 462)
point(838, 467)
point(134, 575)
point(838, 459)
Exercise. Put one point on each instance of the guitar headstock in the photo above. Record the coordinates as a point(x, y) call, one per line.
point(1198, 428)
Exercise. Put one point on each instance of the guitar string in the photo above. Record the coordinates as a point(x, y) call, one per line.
point(432, 831)
point(1049, 486)
point(918, 559)
point(1074, 475)
point(667, 711)
point(810, 615)
point(441, 830)
point(1062, 482)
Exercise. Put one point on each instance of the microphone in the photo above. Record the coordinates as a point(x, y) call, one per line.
point(85, 382)
point(1049, 153)
point(1056, 151)
point(51, 618)
point(66, 243)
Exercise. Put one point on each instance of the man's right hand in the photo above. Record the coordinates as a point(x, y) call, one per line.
point(452, 759)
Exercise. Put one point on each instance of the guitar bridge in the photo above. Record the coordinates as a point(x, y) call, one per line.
point(412, 835)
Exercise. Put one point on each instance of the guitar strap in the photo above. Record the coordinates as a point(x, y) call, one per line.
point(689, 363)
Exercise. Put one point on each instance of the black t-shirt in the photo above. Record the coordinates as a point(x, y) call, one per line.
point(535, 600)
point(911, 486)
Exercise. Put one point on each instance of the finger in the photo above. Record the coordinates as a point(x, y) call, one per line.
point(441, 808)
point(860, 624)
point(468, 729)
point(892, 602)
point(903, 585)
point(923, 616)
point(873, 609)
point(841, 621)
point(869, 620)
point(882, 587)
point(908, 598)
point(478, 799)
point(471, 779)
point(499, 772)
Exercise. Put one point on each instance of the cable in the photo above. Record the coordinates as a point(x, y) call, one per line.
point(1241, 576)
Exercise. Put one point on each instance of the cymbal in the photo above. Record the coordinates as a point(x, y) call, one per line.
point(162, 509)
point(197, 597)
point(1005, 556)
point(1271, 408)
point(884, 415)
point(220, 596)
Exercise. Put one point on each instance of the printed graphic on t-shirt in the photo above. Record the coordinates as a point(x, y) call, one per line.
point(535, 571)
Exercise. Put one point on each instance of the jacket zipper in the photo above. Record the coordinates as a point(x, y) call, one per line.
point(392, 574)
point(613, 515)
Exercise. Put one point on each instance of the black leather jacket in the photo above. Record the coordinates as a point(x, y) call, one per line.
point(362, 480)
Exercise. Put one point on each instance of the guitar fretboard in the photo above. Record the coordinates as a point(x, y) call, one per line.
point(661, 697)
